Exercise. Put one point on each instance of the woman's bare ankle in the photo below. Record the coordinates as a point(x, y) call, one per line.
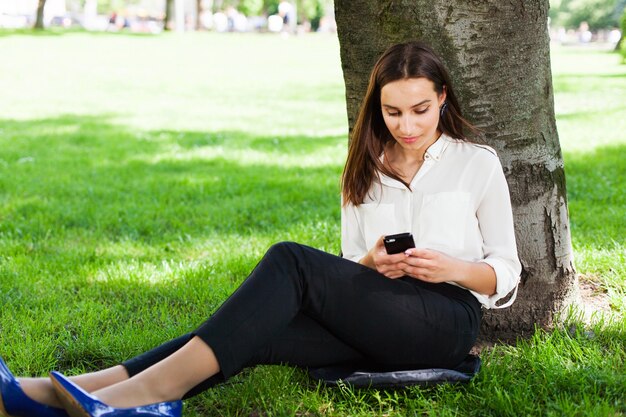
point(132, 394)
point(101, 379)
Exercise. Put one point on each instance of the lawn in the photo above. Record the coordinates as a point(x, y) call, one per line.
point(142, 177)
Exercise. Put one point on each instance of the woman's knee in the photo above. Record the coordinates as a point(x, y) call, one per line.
point(290, 256)
point(284, 248)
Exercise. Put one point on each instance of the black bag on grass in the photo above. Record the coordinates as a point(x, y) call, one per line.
point(381, 378)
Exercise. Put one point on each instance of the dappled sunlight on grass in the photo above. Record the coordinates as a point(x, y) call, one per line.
point(241, 148)
point(137, 188)
point(143, 272)
point(596, 181)
point(590, 87)
point(596, 184)
point(332, 156)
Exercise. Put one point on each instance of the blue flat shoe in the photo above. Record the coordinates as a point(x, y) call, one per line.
point(80, 403)
point(15, 403)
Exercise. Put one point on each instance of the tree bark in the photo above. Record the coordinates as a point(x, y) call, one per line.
point(39, 18)
point(199, 15)
point(498, 55)
point(169, 6)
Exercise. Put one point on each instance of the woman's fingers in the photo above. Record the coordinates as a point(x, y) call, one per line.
point(390, 266)
point(428, 265)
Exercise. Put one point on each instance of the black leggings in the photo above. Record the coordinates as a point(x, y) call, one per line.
point(304, 307)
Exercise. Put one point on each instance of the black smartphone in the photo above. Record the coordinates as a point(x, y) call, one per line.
point(398, 243)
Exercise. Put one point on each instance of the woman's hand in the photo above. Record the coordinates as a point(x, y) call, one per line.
point(391, 266)
point(433, 266)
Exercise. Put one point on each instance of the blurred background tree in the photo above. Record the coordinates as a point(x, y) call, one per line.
point(598, 14)
point(620, 44)
point(39, 18)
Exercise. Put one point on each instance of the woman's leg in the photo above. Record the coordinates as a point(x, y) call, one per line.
point(304, 343)
point(392, 322)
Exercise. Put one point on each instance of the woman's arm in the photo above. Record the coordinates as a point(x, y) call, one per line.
point(352, 239)
point(495, 217)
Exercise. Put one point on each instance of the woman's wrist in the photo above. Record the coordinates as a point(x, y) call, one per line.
point(367, 260)
point(477, 276)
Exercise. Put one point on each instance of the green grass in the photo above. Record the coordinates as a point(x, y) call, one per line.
point(590, 106)
point(142, 177)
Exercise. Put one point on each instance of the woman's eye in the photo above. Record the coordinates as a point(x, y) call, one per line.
point(422, 111)
point(393, 114)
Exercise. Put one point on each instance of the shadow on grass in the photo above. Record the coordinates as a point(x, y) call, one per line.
point(589, 83)
point(82, 172)
point(595, 187)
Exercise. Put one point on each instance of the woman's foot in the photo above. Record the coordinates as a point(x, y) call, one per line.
point(80, 403)
point(14, 402)
point(27, 397)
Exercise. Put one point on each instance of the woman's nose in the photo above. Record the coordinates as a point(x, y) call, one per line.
point(406, 125)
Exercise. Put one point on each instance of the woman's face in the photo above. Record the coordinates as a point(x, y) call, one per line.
point(411, 112)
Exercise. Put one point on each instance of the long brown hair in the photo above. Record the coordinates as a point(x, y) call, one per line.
point(370, 134)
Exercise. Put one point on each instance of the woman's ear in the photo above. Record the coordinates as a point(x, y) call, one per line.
point(443, 95)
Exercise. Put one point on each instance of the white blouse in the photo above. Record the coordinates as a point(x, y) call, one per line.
point(458, 204)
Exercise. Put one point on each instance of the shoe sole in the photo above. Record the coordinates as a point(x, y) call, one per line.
point(73, 407)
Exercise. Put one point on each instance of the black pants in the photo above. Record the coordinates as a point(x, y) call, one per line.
point(308, 308)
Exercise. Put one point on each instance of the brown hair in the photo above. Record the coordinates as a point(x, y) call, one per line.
point(370, 134)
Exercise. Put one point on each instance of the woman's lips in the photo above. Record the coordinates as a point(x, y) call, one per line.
point(408, 139)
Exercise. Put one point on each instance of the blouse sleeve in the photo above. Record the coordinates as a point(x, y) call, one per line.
point(495, 218)
point(352, 238)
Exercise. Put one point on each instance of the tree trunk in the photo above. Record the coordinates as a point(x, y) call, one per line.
point(39, 19)
point(169, 6)
point(498, 55)
point(199, 15)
